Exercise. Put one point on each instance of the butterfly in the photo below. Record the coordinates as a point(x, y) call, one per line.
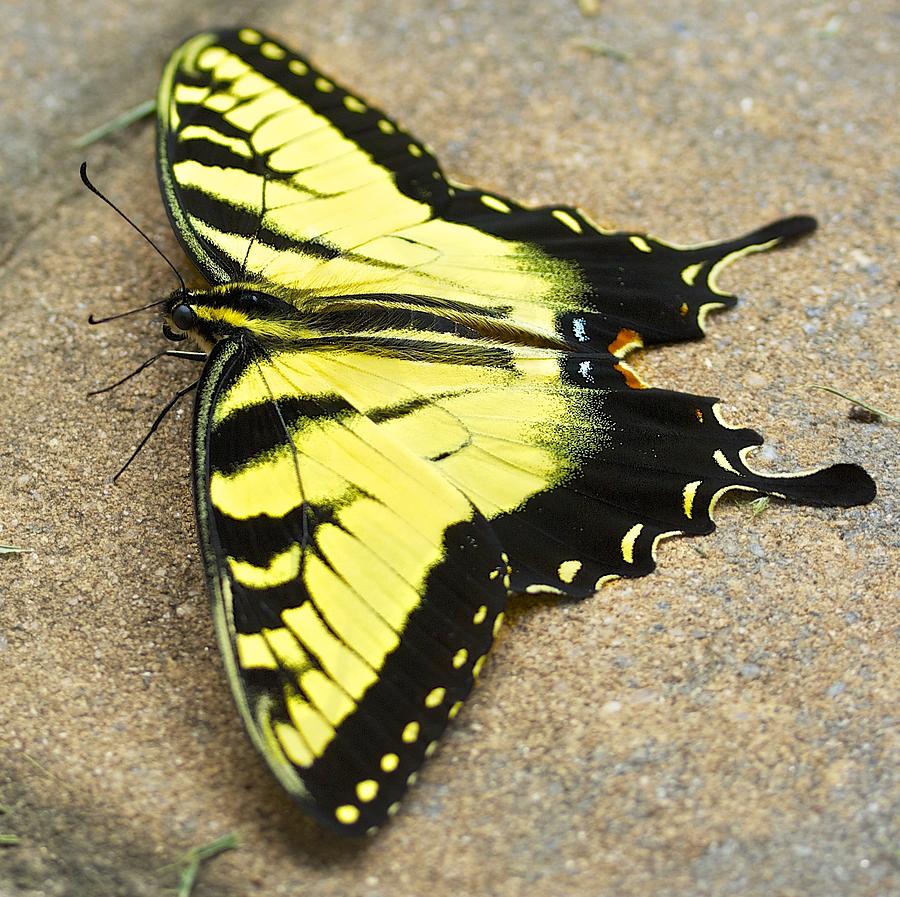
point(415, 402)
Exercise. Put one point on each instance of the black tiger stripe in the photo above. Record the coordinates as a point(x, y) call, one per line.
point(194, 114)
point(208, 152)
point(245, 436)
point(211, 208)
point(287, 243)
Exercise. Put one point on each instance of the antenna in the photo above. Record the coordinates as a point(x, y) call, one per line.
point(121, 214)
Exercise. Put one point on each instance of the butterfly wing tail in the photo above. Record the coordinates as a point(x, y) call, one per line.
point(841, 485)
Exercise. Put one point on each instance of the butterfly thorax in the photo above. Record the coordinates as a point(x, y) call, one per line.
point(232, 311)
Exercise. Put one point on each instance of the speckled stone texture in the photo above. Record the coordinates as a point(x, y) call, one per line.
point(722, 727)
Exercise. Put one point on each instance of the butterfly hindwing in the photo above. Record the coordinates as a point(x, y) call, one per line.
point(357, 591)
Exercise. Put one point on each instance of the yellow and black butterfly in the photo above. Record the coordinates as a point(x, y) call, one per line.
point(415, 402)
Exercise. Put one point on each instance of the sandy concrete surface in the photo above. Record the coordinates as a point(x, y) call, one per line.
point(722, 727)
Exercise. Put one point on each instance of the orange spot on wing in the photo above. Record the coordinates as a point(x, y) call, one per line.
point(625, 341)
point(698, 414)
point(683, 309)
point(631, 378)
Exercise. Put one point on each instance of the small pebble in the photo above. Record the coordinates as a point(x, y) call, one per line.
point(751, 671)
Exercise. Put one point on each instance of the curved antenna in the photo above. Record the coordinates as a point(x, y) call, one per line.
point(87, 183)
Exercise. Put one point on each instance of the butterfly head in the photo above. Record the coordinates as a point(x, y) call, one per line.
point(229, 311)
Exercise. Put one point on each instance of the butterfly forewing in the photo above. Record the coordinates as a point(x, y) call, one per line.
point(272, 172)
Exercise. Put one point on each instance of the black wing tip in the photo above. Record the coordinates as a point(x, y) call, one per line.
point(850, 484)
point(838, 486)
point(794, 227)
point(784, 231)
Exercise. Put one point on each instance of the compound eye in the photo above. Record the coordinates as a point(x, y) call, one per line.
point(183, 317)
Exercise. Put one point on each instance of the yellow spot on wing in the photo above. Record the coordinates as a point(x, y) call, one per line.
point(460, 658)
point(410, 732)
point(455, 709)
point(269, 488)
point(386, 127)
point(250, 85)
point(570, 222)
point(493, 203)
point(723, 462)
point(389, 762)
point(298, 67)
point(354, 104)
point(687, 494)
point(281, 569)
point(435, 697)
point(480, 614)
point(324, 85)
point(689, 274)
point(366, 790)
point(430, 431)
point(540, 588)
point(230, 67)
point(374, 580)
point(249, 36)
point(414, 150)
point(253, 652)
point(272, 51)
point(568, 570)
point(498, 478)
point(628, 541)
point(640, 243)
point(238, 187)
point(294, 746)
point(347, 814)
point(498, 622)
point(476, 669)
